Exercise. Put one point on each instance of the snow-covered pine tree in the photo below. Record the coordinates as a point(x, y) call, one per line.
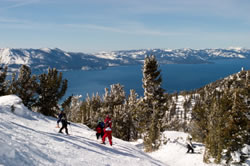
point(125, 128)
point(95, 109)
point(154, 103)
point(132, 106)
point(113, 102)
point(73, 109)
point(51, 89)
point(3, 82)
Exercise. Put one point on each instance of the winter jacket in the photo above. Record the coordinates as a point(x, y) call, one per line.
point(62, 118)
point(189, 143)
point(99, 127)
point(108, 124)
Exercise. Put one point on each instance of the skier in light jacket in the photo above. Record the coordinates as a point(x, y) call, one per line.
point(189, 144)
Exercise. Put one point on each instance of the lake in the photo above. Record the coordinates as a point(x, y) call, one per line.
point(176, 77)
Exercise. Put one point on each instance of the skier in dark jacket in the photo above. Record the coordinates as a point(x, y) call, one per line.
point(63, 118)
point(189, 145)
point(99, 129)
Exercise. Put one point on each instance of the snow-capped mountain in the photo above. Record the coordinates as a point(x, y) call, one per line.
point(41, 59)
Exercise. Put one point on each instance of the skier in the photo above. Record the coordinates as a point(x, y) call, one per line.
point(99, 129)
point(189, 144)
point(107, 130)
point(63, 118)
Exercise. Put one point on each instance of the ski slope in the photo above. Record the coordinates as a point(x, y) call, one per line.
point(31, 139)
point(28, 138)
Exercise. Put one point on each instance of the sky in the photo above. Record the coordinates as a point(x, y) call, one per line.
point(109, 25)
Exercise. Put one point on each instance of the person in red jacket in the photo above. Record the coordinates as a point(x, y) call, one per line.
point(99, 129)
point(107, 130)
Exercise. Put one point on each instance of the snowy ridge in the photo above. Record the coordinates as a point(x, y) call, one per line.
point(41, 59)
point(29, 138)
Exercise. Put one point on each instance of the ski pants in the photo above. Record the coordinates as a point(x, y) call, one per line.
point(109, 135)
point(190, 148)
point(64, 126)
point(99, 134)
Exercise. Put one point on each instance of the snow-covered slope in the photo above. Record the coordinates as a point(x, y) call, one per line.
point(41, 59)
point(28, 138)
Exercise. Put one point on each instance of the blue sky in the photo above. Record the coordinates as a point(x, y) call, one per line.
point(105, 25)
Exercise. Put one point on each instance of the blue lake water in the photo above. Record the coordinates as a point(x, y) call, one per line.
point(176, 77)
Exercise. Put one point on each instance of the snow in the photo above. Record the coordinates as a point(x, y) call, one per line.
point(47, 50)
point(174, 152)
point(106, 55)
point(29, 138)
point(8, 57)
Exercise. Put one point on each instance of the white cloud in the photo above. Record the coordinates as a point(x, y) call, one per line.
point(135, 29)
point(18, 3)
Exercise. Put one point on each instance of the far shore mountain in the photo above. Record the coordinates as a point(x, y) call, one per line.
point(42, 59)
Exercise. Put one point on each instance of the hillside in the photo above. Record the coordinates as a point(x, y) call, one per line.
point(29, 138)
point(41, 59)
point(238, 80)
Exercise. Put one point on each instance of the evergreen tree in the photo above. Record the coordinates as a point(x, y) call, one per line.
point(51, 89)
point(227, 127)
point(237, 125)
point(217, 125)
point(25, 86)
point(199, 121)
point(125, 128)
point(113, 102)
point(3, 82)
point(132, 123)
point(73, 110)
point(154, 104)
point(91, 110)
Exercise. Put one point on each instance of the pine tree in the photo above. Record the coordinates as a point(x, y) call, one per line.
point(125, 128)
point(113, 102)
point(199, 121)
point(72, 108)
point(237, 125)
point(217, 125)
point(154, 104)
point(51, 89)
point(3, 82)
point(132, 119)
point(25, 86)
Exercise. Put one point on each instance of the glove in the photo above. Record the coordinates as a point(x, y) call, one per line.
point(69, 123)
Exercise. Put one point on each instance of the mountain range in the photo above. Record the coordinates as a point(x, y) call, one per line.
point(41, 59)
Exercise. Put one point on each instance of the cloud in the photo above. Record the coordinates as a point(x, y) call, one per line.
point(133, 29)
point(18, 3)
